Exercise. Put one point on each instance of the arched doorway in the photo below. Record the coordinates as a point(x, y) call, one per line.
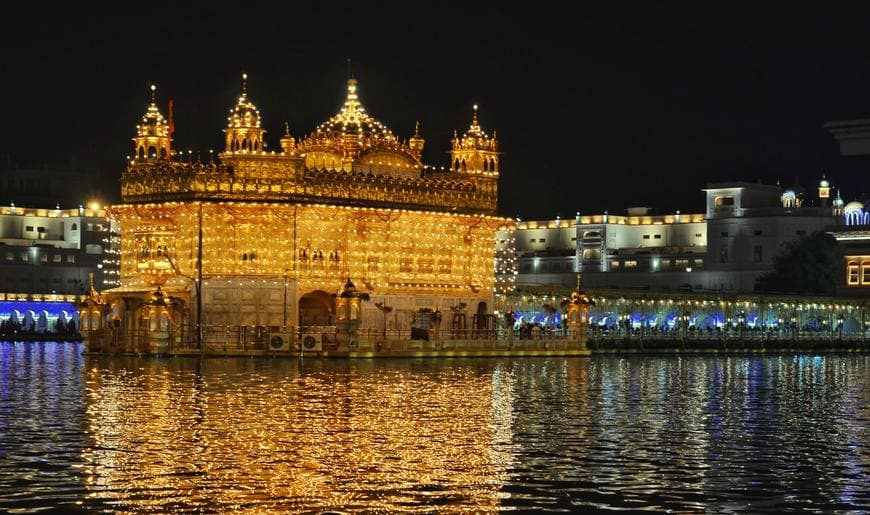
point(316, 308)
point(482, 322)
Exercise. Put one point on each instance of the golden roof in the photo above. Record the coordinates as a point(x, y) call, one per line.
point(352, 131)
point(475, 137)
point(153, 123)
point(245, 114)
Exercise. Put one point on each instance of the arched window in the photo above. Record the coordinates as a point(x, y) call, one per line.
point(152, 152)
point(462, 166)
point(485, 166)
point(141, 152)
point(456, 165)
point(245, 144)
point(75, 227)
point(492, 165)
point(244, 256)
point(163, 152)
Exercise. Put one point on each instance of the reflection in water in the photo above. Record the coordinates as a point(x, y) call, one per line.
point(666, 433)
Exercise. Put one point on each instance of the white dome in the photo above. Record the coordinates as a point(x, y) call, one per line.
point(853, 207)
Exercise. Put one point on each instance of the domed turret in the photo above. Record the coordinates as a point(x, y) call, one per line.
point(416, 143)
point(243, 132)
point(288, 144)
point(353, 140)
point(838, 204)
point(824, 191)
point(152, 134)
point(793, 196)
point(475, 152)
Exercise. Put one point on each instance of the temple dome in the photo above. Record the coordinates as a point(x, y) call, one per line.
point(853, 206)
point(354, 120)
point(352, 140)
point(153, 123)
point(244, 114)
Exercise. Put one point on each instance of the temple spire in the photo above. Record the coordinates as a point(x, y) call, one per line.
point(154, 94)
point(244, 84)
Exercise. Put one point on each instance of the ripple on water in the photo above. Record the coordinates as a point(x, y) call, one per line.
point(768, 433)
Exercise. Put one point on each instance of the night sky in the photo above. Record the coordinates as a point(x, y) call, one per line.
point(594, 110)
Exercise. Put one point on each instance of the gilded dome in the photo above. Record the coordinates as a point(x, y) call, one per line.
point(355, 121)
point(245, 114)
point(153, 123)
point(353, 140)
point(475, 137)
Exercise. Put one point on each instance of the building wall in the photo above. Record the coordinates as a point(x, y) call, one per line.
point(726, 249)
point(753, 242)
point(608, 244)
point(250, 250)
point(52, 250)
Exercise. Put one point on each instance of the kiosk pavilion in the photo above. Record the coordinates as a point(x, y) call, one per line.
point(265, 240)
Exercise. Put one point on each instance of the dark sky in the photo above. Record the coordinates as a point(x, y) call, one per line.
point(595, 110)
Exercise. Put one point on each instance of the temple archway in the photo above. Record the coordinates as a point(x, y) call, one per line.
point(316, 308)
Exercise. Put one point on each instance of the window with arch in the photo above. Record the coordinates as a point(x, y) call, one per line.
point(485, 165)
point(75, 227)
point(463, 167)
point(492, 165)
point(456, 164)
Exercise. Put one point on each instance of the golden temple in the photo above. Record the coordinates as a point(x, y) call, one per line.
point(265, 239)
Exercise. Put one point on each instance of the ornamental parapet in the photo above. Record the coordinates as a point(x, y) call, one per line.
point(286, 180)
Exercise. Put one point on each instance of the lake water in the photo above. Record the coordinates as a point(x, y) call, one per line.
point(682, 433)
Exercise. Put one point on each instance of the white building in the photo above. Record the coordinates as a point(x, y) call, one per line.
point(726, 248)
point(52, 251)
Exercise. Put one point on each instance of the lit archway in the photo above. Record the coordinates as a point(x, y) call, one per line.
point(316, 309)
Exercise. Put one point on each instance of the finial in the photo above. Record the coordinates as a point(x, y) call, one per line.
point(154, 93)
point(244, 83)
point(286, 129)
point(417, 129)
point(578, 281)
point(474, 119)
point(90, 280)
point(455, 135)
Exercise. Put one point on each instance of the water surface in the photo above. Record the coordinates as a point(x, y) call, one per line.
point(688, 434)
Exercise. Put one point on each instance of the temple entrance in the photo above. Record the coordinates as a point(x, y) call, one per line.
point(316, 308)
point(483, 323)
point(480, 316)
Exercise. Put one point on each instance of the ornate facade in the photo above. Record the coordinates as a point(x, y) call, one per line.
point(267, 238)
